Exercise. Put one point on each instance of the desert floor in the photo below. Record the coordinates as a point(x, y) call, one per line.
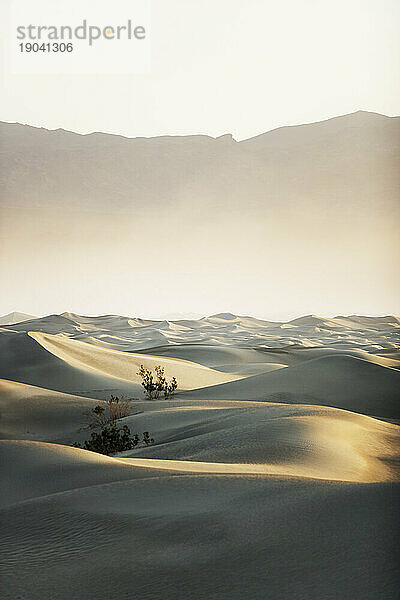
point(274, 473)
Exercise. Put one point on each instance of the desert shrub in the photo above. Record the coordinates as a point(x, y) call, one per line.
point(148, 383)
point(111, 438)
point(108, 414)
point(161, 382)
point(118, 408)
point(170, 388)
point(147, 439)
point(156, 384)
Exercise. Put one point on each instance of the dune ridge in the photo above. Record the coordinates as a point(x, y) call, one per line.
point(125, 366)
point(340, 380)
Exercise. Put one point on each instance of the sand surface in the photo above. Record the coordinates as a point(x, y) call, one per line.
point(274, 474)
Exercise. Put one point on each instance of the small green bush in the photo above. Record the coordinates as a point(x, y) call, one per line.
point(111, 438)
point(155, 385)
point(147, 439)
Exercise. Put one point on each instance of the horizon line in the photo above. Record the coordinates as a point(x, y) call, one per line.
point(224, 135)
point(195, 318)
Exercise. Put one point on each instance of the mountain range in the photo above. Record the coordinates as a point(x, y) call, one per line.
point(351, 160)
point(299, 219)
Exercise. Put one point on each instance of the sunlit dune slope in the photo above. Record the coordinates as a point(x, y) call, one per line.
point(281, 439)
point(26, 361)
point(124, 366)
point(341, 381)
point(274, 439)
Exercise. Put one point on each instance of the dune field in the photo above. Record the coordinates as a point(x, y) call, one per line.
point(274, 472)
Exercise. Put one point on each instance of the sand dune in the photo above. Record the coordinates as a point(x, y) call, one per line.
point(281, 439)
point(35, 469)
point(14, 317)
point(214, 356)
point(272, 439)
point(258, 484)
point(34, 413)
point(268, 439)
point(300, 441)
point(125, 366)
point(114, 526)
point(26, 361)
point(224, 331)
point(236, 358)
point(340, 380)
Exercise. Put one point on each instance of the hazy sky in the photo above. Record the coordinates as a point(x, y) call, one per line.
point(218, 66)
point(235, 66)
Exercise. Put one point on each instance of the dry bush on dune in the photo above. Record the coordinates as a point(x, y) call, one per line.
point(101, 416)
point(118, 408)
point(111, 438)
